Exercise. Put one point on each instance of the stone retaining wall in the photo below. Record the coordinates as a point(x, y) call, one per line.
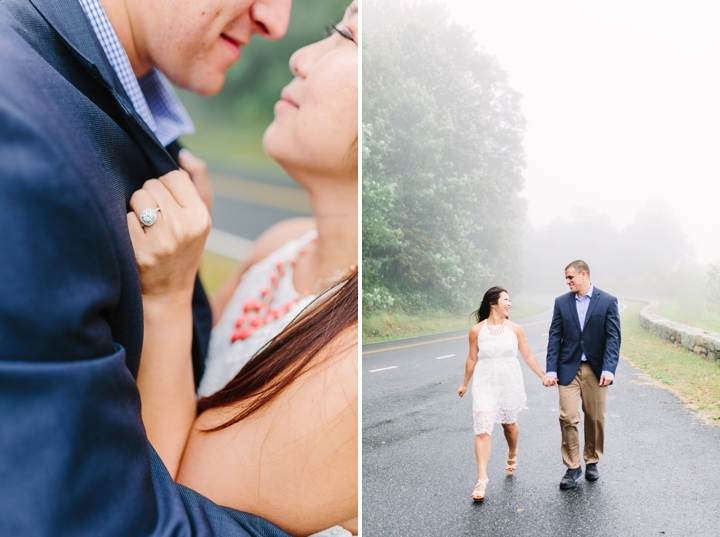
point(702, 342)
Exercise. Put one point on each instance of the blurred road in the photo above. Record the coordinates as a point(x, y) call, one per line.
point(659, 476)
point(244, 208)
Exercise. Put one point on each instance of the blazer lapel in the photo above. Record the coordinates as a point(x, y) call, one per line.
point(573, 309)
point(69, 22)
point(593, 302)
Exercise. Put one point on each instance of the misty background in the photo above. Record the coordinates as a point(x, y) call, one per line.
point(502, 140)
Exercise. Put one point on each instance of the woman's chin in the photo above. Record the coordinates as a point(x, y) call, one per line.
point(269, 143)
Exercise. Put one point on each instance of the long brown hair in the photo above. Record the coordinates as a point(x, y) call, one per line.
point(289, 354)
point(491, 298)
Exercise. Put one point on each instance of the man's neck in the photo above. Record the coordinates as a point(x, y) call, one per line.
point(582, 293)
point(118, 14)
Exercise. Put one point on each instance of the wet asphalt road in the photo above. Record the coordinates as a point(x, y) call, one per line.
point(246, 219)
point(660, 474)
point(246, 207)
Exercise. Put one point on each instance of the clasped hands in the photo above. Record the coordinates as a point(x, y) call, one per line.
point(549, 381)
point(552, 381)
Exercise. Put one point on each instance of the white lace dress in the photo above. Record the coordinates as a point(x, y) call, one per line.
point(225, 358)
point(498, 390)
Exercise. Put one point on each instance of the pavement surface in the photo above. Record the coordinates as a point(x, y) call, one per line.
point(660, 474)
point(245, 208)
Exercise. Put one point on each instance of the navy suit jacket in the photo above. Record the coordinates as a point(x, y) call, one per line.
point(599, 339)
point(74, 457)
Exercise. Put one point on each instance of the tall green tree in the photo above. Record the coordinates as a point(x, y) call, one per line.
point(442, 162)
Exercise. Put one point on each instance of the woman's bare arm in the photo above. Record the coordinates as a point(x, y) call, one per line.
point(471, 358)
point(525, 352)
point(168, 255)
point(303, 445)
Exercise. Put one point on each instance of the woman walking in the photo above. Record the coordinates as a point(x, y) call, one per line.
point(498, 390)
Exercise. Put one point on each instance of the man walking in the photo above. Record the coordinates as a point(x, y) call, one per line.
point(582, 354)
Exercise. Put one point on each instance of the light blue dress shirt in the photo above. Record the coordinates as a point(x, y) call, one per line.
point(151, 95)
point(582, 306)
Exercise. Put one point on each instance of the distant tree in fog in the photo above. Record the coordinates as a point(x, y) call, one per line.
point(651, 257)
point(442, 162)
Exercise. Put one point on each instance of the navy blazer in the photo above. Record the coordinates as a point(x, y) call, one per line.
point(74, 457)
point(599, 339)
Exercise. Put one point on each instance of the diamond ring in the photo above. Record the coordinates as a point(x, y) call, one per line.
point(149, 216)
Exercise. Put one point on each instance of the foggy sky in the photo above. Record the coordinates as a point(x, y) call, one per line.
point(622, 101)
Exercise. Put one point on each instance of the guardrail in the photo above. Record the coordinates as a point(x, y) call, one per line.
point(701, 342)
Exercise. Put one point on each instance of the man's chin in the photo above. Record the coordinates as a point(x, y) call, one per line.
point(208, 90)
point(205, 86)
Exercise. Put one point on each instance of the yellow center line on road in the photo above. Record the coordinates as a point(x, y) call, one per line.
point(436, 341)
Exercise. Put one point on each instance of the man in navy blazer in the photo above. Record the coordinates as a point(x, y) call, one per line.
point(85, 119)
point(582, 355)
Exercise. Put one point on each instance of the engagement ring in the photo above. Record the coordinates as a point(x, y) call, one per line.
point(149, 216)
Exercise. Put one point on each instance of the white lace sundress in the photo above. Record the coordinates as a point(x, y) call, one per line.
point(225, 359)
point(498, 390)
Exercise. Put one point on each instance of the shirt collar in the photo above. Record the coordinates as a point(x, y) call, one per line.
point(588, 294)
point(152, 95)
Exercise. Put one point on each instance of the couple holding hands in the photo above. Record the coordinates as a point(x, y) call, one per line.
point(582, 355)
point(105, 330)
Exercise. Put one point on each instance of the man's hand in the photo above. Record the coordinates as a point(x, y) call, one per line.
point(549, 381)
point(462, 389)
point(605, 381)
point(198, 173)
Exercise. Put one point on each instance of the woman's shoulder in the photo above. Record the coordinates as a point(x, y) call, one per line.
point(513, 326)
point(279, 235)
point(516, 328)
point(475, 330)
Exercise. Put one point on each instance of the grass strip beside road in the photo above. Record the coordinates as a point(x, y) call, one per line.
point(694, 379)
point(382, 326)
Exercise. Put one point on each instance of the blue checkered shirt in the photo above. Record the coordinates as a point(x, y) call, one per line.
point(582, 306)
point(152, 95)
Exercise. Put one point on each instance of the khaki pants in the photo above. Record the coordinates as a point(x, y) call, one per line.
point(585, 386)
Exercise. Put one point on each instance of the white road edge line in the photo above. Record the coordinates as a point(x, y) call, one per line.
point(448, 356)
point(383, 369)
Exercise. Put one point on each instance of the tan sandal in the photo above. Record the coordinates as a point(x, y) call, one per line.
point(511, 463)
point(479, 491)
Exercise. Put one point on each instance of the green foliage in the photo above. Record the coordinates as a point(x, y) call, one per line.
point(382, 325)
point(694, 379)
point(442, 161)
point(253, 86)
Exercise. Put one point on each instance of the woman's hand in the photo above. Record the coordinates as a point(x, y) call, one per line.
point(168, 257)
point(549, 381)
point(462, 389)
point(168, 251)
